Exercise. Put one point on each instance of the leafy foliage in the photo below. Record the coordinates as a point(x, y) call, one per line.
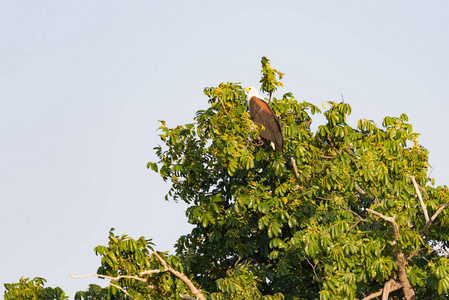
point(32, 289)
point(337, 215)
point(309, 235)
point(128, 264)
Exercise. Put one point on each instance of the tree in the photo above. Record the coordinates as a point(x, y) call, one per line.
point(343, 213)
point(338, 215)
point(32, 289)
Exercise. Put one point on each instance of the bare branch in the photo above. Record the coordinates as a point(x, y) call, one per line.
point(424, 191)
point(295, 168)
point(393, 286)
point(150, 272)
point(122, 289)
point(386, 290)
point(441, 250)
point(354, 213)
point(359, 189)
point(435, 215)
point(227, 113)
point(329, 157)
point(388, 219)
point(113, 278)
point(360, 219)
point(418, 192)
point(413, 254)
point(313, 267)
point(186, 297)
point(181, 276)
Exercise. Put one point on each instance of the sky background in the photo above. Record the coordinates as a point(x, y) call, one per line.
point(84, 83)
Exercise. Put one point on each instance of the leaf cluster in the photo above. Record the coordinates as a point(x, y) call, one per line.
point(32, 289)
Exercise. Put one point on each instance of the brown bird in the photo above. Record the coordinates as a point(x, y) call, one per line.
point(262, 114)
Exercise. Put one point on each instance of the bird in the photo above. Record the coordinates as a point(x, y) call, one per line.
point(262, 114)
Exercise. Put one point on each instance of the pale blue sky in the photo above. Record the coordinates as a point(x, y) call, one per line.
point(83, 83)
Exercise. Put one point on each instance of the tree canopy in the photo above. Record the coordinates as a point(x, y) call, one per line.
point(344, 212)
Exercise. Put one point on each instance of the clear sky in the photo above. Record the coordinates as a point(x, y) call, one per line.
point(84, 83)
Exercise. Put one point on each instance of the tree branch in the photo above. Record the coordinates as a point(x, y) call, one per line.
point(122, 289)
point(393, 286)
point(181, 276)
point(227, 113)
point(388, 219)
point(435, 215)
point(313, 267)
point(409, 293)
point(360, 219)
point(424, 191)
point(118, 277)
point(413, 254)
point(386, 290)
point(295, 168)
point(418, 192)
point(186, 297)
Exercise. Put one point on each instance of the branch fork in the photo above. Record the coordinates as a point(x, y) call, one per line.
point(166, 266)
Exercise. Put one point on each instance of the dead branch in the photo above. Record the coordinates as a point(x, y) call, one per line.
point(418, 192)
point(115, 278)
point(181, 276)
point(122, 289)
point(435, 215)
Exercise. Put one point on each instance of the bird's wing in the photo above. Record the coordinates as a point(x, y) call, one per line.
point(262, 113)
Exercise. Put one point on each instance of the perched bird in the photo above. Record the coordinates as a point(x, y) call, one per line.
point(261, 113)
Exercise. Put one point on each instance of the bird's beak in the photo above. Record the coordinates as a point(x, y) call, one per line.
point(246, 89)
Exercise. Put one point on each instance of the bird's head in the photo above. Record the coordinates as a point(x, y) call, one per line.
point(251, 91)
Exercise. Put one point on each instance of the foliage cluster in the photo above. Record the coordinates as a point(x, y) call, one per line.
point(343, 213)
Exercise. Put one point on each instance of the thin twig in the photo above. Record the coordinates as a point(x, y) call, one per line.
point(418, 192)
point(360, 219)
point(313, 268)
point(223, 106)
